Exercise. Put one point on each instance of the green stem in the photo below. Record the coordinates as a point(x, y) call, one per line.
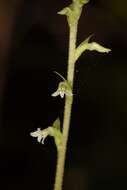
point(67, 109)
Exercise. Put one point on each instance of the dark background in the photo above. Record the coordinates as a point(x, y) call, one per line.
point(33, 44)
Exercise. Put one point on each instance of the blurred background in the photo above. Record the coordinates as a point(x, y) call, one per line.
point(33, 44)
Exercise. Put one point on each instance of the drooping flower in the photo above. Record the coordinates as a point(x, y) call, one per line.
point(63, 89)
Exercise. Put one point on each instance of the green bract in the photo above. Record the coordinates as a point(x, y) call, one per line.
point(57, 133)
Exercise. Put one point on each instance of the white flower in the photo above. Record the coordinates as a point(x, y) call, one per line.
point(63, 89)
point(53, 131)
point(42, 134)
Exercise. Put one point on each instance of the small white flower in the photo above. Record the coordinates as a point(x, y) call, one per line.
point(53, 131)
point(42, 134)
point(63, 89)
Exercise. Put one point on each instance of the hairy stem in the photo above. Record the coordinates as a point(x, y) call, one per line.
point(67, 109)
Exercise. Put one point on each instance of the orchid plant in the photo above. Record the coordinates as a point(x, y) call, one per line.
point(65, 88)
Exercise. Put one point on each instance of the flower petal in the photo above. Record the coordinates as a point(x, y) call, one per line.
point(55, 94)
point(39, 138)
point(34, 134)
point(43, 139)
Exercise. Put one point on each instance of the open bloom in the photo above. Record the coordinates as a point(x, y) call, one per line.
point(53, 131)
point(63, 89)
point(42, 134)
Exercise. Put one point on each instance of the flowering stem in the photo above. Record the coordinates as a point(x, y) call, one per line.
point(61, 156)
point(73, 13)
